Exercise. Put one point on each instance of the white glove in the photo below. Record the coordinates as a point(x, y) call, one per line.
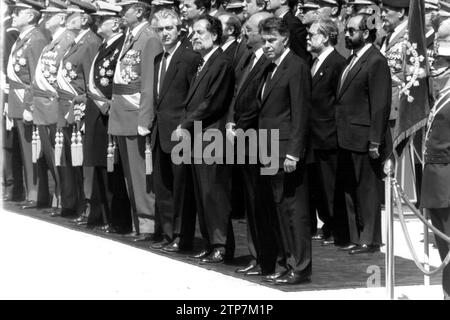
point(5, 109)
point(142, 131)
point(27, 115)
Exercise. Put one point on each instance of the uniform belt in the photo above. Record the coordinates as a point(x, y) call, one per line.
point(93, 96)
point(65, 95)
point(126, 89)
point(18, 85)
point(44, 94)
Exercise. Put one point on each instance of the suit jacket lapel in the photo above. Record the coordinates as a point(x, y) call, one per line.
point(396, 39)
point(171, 72)
point(276, 77)
point(319, 73)
point(202, 73)
point(354, 71)
point(22, 41)
point(257, 68)
point(133, 40)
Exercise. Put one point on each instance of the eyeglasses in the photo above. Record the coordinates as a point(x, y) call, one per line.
point(167, 28)
point(312, 35)
point(351, 31)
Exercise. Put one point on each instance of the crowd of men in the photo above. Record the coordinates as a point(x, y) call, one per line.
point(97, 96)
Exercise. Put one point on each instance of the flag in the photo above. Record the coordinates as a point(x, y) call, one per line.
point(414, 92)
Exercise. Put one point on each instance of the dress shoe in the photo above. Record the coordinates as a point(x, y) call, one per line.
point(109, 229)
point(133, 234)
point(143, 237)
point(202, 254)
point(347, 247)
point(54, 212)
point(246, 268)
point(327, 242)
point(174, 246)
point(81, 220)
point(317, 237)
point(29, 204)
point(159, 245)
point(365, 248)
point(271, 277)
point(256, 272)
point(291, 279)
point(216, 256)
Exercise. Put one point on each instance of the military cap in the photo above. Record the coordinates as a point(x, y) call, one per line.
point(327, 3)
point(106, 9)
point(80, 6)
point(444, 9)
point(130, 2)
point(310, 6)
point(235, 4)
point(396, 4)
point(55, 6)
point(432, 4)
point(29, 4)
point(362, 3)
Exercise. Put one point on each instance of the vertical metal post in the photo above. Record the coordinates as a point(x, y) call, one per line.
point(389, 262)
point(426, 251)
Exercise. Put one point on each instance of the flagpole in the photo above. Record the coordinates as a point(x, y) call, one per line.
point(426, 245)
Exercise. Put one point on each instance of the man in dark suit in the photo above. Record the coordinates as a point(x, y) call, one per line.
point(13, 189)
point(21, 71)
point(207, 105)
point(131, 114)
point(297, 30)
point(243, 116)
point(285, 103)
point(231, 27)
point(72, 80)
point(362, 111)
point(190, 11)
point(174, 197)
point(325, 72)
point(109, 203)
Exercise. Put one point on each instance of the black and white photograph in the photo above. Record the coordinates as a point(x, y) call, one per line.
point(225, 156)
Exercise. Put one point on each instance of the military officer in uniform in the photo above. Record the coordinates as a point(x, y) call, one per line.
point(21, 71)
point(105, 191)
point(435, 194)
point(45, 103)
point(72, 79)
point(131, 113)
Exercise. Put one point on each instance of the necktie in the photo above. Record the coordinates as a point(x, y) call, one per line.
point(163, 71)
point(200, 66)
point(314, 66)
point(347, 70)
point(247, 70)
point(387, 39)
point(271, 69)
point(128, 39)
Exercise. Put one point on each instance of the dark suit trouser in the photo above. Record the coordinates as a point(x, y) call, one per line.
point(359, 184)
point(212, 185)
point(441, 220)
point(132, 153)
point(25, 137)
point(324, 175)
point(174, 196)
point(290, 195)
point(72, 193)
point(47, 135)
point(12, 164)
point(261, 239)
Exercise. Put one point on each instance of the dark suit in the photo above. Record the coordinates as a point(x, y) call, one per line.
point(244, 112)
point(108, 197)
point(435, 194)
point(285, 103)
point(208, 101)
point(234, 52)
point(323, 142)
point(174, 197)
point(362, 113)
point(12, 162)
point(297, 36)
